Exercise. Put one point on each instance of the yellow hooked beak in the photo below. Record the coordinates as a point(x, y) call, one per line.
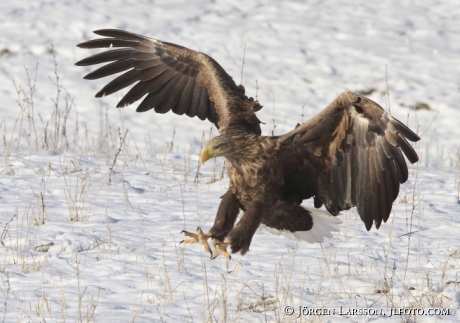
point(207, 153)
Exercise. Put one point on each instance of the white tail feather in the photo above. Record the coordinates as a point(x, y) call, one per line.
point(324, 224)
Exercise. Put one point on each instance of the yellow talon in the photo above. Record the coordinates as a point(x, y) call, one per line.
point(221, 248)
point(199, 236)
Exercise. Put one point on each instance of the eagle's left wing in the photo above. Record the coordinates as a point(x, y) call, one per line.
point(353, 149)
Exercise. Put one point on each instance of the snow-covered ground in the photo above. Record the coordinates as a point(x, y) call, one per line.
point(84, 239)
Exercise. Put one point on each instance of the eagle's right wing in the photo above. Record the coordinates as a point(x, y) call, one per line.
point(173, 78)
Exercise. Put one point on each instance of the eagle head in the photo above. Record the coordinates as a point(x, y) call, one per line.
point(216, 147)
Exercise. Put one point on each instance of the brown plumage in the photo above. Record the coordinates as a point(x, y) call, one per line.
point(350, 154)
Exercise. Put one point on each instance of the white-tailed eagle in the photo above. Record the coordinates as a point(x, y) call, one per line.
point(350, 154)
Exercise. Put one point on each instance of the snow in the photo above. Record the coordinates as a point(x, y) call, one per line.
point(76, 248)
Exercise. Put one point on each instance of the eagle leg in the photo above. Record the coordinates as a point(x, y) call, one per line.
point(199, 236)
point(221, 248)
point(225, 217)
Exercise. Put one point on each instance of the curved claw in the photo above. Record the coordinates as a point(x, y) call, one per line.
point(199, 236)
point(221, 248)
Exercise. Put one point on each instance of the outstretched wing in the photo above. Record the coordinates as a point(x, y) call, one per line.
point(353, 150)
point(173, 78)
